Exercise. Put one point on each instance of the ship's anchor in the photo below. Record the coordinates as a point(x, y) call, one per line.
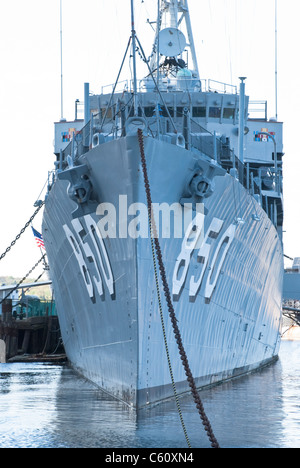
point(200, 184)
point(80, 189)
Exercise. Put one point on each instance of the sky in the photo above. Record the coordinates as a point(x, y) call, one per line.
point(232, 37)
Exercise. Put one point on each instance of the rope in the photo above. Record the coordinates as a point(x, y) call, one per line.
point(24, 278)
point(152, 234)
point(190, 379)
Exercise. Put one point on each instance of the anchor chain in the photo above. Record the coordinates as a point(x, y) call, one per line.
point(24, 278)
point(22, 230)
point(183, 356)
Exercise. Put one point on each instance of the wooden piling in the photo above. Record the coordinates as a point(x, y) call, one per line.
point(2, 352)
point(35, 335)
point(8, 330)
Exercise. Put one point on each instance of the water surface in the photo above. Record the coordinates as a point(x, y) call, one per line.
point(49, 406)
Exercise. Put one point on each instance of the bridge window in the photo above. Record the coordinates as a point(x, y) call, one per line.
point(215, 112)
point(179, 111)
point(165, 113)
point(149, 111)
point(228, 113)
point(199, 111)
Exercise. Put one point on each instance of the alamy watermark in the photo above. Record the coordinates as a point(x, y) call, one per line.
point(132, 220)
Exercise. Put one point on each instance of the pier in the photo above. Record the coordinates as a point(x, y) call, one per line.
point(32, 334)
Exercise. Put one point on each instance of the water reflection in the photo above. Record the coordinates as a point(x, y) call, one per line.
point(88, 417)
point(27, 399)
point(49, 406)
point(291, 392)
point(246, 412)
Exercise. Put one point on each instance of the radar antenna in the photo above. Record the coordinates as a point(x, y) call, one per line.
point(172, 41)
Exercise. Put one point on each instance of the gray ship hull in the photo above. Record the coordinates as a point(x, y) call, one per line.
point(226, 286)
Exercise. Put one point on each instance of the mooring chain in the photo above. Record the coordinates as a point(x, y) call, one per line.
point(183, 356)
point(22, 230)
point(152, 227)
point(24, 278)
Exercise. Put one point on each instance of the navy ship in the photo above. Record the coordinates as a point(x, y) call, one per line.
point(170, 162)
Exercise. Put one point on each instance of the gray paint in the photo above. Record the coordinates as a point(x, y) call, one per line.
point(117, 342)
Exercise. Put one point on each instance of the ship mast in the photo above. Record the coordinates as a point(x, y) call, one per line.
point(133, 39)
point(175, 14)
point(276, 71)
point(61, 65)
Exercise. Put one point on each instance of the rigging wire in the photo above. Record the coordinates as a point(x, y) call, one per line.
point(228, 40)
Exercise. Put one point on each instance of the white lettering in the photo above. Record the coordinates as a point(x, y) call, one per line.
point(83, 250)
point(170, 220)
point(138, 227)
point(116, 458)
point(188, 245)
point(123, 217)
point(163, 211)
point(107, 224)
point(81, 263)
point(88, 253)
point(218, 260)
point(203, 254)
point(101, 253)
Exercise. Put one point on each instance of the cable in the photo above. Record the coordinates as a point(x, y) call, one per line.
point(164, 333)
point(190, 378)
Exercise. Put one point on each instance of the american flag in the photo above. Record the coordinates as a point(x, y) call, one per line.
point(38, 238)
